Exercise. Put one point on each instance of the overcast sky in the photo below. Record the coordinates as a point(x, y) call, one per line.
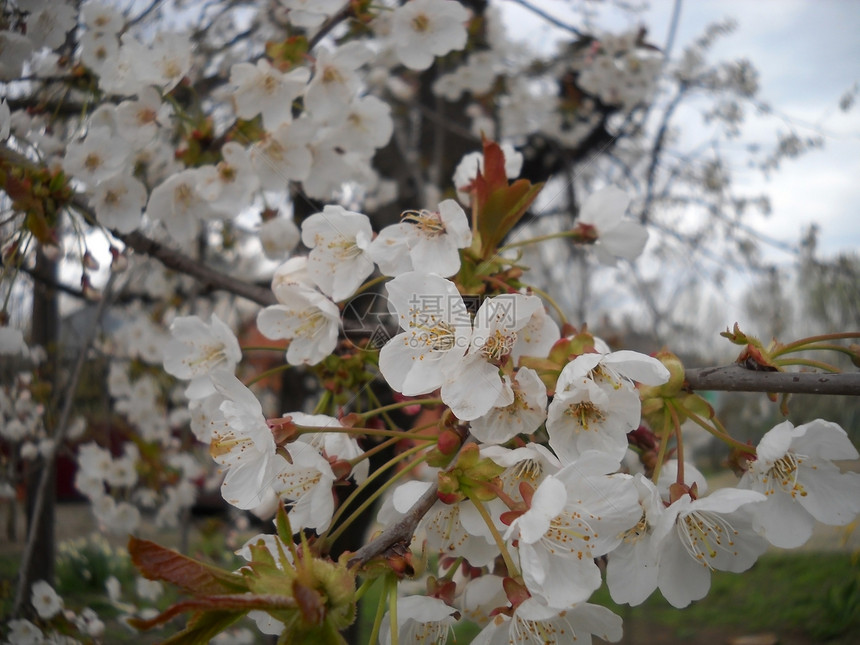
point(807, 56)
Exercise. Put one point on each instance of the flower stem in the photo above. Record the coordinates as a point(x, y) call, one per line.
point(543, 294)
point(543, 238)
point(330, 536)
point(392, 609)
point(721, 433)
point(399, 434)
point(367, 454)
point(503, 549)
point(664, 443)
point(827, 367)
point(369, 284)
point(362, 589)
point(679, 442)
point(377, 620)
point(398, 405)
point(323, 404)
point(262, 348)
point(800, 345)
point(270, 372)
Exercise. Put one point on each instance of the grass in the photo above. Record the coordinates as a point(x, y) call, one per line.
point(814, 596)
point(801, 597)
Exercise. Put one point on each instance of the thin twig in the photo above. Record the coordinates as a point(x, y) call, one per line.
point(550, 19)
point(51, 458)
point(170, 258)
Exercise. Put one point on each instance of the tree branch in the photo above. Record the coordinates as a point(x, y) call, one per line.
point(170, 258)
point(400, 532)
point(178, 261)
point(734, 378)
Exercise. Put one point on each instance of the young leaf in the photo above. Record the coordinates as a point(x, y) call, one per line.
point(158, 563)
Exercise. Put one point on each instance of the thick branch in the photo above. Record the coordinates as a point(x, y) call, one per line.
point(734, 378)
point(400, 532)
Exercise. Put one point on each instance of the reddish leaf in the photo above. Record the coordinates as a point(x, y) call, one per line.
point(159, 563)
point(240, 603)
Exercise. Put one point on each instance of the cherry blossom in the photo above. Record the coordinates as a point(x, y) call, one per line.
point(534, 623)
point(335, 81)
point(617, 236)
point(693, 537)
point(424, 240)
point(575, 515)
point(198, 350)
point(420, 619)
point(794, 468)
point(424, 29)
point(475, 385)
point(262, 89)
point(244, 445)
point(437, 332)
point(338, 262)
point(595, 404)
point(97, 157)
point(307, 318)
point(282, 155)
point(522, 416)
point(46, 601)
point(119, 201)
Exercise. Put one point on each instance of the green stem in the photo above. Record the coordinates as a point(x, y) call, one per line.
point(664, 443)
point(368, 284)
point(374, 401)
point(367, 454)
point(398, 405)
point(392, 609)
point(827, 367)
point(828, 347)
point(399, 434)
point(261, 348)
point(331, 536)
point(377, 621)
point(799, 345)
point(543, 294)
point(720, 433)
point(362, 589)
point(449, 575)
point(500, 543)
point(543, 238)
point(679, 442)
point(323, 404)
point(270, 372)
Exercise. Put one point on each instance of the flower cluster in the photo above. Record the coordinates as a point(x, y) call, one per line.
point(522, 511)
point(467, 415)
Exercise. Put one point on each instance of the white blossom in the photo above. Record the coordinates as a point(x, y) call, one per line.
point(794, 468)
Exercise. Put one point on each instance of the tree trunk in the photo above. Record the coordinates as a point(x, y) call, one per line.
point(45, 332)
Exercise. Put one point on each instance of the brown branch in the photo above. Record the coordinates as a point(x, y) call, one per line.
point(734, 378)
point(400, 532)
point(170, 258)
point(178, 261)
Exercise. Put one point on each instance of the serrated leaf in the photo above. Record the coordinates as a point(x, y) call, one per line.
point(156, 562)
point(206, 606)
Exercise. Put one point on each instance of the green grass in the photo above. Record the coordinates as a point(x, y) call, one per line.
point(813, 595)
point(809, 597)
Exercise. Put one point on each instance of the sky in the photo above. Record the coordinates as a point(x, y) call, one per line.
point(807, 56)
